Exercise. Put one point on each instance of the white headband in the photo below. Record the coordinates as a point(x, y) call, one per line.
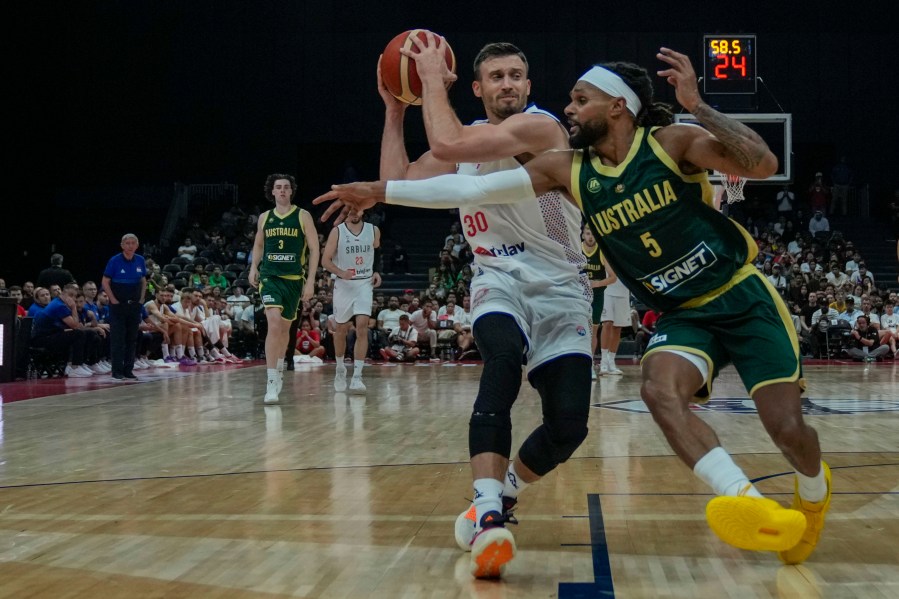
point(613, 85)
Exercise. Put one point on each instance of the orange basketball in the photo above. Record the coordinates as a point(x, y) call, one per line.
point(398, 71)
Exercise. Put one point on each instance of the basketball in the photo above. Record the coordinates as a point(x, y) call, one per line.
point(398, 71)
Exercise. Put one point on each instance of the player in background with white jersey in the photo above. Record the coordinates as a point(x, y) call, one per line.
point(350, 255)
point(530, 298)
point(616, 314)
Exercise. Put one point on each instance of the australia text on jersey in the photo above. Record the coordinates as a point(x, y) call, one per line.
point(282, 232)
point(630, 210)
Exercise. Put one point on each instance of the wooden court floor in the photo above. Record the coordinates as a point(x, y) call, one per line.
point(190, 487)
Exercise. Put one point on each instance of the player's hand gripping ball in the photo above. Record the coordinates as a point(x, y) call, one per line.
point(399, 72)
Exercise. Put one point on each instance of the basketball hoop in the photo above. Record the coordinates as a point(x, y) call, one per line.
point(733, 185)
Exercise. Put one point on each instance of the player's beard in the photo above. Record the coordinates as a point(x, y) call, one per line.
point(504, 110)
point(588, 134)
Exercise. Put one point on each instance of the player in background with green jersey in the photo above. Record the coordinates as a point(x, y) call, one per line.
point(599, 280)
point(285, 258)
point(642, 185)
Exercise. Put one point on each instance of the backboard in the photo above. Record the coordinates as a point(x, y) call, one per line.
point(775, 128)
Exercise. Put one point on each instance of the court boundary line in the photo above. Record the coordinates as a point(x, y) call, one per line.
point(326, 468)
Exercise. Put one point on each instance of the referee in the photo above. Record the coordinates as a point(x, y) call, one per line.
point(125, 282)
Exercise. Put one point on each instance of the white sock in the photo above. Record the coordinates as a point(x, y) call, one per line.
point(488, 497)
point(611, 358)
point(812, 488)
point(341, 367)
point(191, 351)
point(718, 470)
point(281, 365)
point(214, 353)
point(225, 352)
point(357, 368)
point(165, 351)
point(179, 351)
point(201, 352)
point(514, 484)
point(272, 376)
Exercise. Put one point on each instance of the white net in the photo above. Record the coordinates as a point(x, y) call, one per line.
point(733, 186)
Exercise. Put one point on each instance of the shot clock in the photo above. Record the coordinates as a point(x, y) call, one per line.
point(729, 64)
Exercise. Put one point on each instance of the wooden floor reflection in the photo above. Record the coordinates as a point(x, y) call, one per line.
point(190, 487)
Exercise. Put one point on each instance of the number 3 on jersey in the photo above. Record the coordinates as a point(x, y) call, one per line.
point(651, 244)
point(474, 224)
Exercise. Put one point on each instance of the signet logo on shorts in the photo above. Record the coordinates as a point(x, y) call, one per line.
point(657, 339)
point(593, 185)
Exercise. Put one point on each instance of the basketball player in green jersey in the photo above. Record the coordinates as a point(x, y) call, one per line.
point(599, 280)
point(285, 258)
point(642, 186)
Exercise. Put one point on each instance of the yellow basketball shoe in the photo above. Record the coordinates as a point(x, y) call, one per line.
point(814, 516)
point(755, 523)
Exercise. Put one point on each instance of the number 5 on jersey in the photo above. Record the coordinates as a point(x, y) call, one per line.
point(651, 244)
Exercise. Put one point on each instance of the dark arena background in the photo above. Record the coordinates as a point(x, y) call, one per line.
point(110, 103)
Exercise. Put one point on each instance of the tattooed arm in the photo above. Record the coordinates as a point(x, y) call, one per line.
point(732, 147)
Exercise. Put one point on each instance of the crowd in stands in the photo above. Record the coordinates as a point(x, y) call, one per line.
point(836, 306)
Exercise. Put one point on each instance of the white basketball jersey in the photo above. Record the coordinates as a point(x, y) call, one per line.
point(617, 289)
point(356, 253)
point(538, 239)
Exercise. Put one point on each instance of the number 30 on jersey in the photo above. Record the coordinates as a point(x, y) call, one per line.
point(474, 224)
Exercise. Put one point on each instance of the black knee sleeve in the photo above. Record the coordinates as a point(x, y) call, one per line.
point(564, 387)
point(490, 433)
point(502, 346)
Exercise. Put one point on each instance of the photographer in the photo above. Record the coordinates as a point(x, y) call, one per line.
point(404, 341)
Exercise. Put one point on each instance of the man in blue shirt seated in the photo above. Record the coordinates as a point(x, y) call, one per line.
point(125, 282)
point(41, 299)
point(56, 329)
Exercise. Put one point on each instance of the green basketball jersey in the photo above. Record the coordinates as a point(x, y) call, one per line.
point(285, 252)
point(657, 226)
point(595, 270)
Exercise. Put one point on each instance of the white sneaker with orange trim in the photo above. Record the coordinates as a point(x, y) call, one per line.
point(466, 522)
point(492, 548)
point(465, 528)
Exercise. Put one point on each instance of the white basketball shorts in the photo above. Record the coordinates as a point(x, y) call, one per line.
point(617, 309)
point(352, 298)
point(555, 319)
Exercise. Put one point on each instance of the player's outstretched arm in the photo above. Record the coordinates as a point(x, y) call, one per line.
point(545, 173)
point(733, 147)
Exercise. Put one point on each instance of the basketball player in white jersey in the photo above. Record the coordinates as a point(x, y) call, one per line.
point(350, 255)
point(616, 314)
point(530, 298)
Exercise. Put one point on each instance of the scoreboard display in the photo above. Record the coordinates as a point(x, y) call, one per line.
point(729, 64)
